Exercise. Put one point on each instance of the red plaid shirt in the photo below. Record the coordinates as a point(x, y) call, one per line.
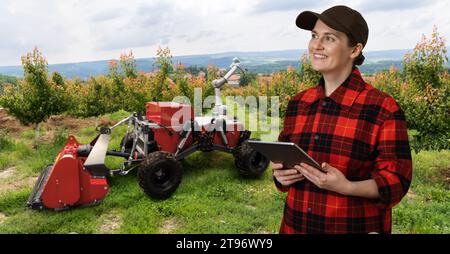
point(362, 132)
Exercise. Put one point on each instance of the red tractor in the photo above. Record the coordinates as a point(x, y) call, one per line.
point(154, 144)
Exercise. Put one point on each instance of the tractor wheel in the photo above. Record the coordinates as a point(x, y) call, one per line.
point(249, 162)
point(128, 142)
point(159, 175)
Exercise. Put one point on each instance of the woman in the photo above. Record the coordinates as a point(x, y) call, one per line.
point(357, 132)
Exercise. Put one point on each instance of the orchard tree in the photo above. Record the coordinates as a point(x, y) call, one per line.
point(34, 99)
point(128, 65)
point(164, 62)
point(182, 81)
point(96, 100)
point(61, 97)
point(427, 62)
point(247, 78)
point(310, 77)
point(426, 98)
point(118, 88)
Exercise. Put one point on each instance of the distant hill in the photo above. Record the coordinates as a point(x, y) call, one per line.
point(260, 62)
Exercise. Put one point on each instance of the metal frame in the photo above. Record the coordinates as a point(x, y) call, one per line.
point(142, 127)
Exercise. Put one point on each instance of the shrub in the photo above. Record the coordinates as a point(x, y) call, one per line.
point(426, 63)
point(137, 93)
point(35, 98)
point(423, 91)
point(426, 101)
point(310, 77)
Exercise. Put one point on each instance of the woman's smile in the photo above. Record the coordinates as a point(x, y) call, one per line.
point(319, 56)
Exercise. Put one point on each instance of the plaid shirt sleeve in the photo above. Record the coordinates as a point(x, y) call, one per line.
point(393, 165)
point(362, 132)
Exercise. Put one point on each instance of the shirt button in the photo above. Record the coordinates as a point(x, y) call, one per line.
point(309, 209)
point(316, 137)
point(324, 104)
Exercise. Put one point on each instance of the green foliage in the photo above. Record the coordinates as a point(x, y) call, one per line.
point(425, 209)
point(5, 140)
point(212, 73)
point(285, 85)
point(429, 113)
point(31, 101)
point(185, 84)
point(212, 197)
point(128, 65)
point(35, 98)
point(97, 101)
point(117, 85)
point(391, 82)
point(119, 71)
point(310, 77)
point(75, 89)
point(6, 80)
point(58, 79)
point(161, 84)
point(247, 78)
point(137, 93)
point(427, 61)
point(423, 92)
point(195, 70)
point(182, 81)
point(61, 97)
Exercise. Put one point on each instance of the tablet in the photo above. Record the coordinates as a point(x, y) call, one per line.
point(287, 153)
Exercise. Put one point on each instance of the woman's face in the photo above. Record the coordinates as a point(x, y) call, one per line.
point(328, 49)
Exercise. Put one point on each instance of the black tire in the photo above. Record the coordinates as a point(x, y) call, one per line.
point(159, 175)
point(128, 142)
point(249, 162)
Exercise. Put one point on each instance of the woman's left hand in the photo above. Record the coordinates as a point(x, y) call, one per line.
point(332, 180)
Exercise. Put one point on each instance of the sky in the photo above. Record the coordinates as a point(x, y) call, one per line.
point(87, 30)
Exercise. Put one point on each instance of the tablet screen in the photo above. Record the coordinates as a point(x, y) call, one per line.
point(287, 153)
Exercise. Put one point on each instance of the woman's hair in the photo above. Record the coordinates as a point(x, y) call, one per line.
point(359, 60)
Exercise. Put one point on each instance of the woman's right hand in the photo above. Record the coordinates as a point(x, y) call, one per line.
point(286, 176)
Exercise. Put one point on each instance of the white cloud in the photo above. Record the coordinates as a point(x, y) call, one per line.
point(83, 30)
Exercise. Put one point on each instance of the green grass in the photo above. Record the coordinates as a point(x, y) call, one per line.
point(212, 197)
point(427, 208)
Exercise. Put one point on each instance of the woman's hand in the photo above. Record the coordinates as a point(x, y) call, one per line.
point(332, 180)
point(286, 176)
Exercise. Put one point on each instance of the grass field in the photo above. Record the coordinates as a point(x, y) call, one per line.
point(212, 197)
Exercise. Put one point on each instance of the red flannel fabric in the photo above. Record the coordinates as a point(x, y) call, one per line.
point(362, 132)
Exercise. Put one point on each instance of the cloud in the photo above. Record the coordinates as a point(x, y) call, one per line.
point(263, 6)
point(26, 25)
point(107, 15)
point(81, 30)
point(156, 23)
point(390, 5)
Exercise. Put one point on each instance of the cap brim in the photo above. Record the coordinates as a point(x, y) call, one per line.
point(307, 20)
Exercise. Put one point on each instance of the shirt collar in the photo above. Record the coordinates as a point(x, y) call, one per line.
point(345, 94)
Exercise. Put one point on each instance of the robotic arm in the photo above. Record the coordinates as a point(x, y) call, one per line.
point(219, 109)
point(218, 83)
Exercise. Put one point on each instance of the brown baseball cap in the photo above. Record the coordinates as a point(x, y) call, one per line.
point(340, 18)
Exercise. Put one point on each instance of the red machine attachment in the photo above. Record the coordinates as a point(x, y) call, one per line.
point(77, 177)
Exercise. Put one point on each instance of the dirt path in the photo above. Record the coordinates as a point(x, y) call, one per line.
point(6, 185)
point(2, 218)
point(110, 223)
point(54, 123)
point(168, 227)
point(7, 173)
